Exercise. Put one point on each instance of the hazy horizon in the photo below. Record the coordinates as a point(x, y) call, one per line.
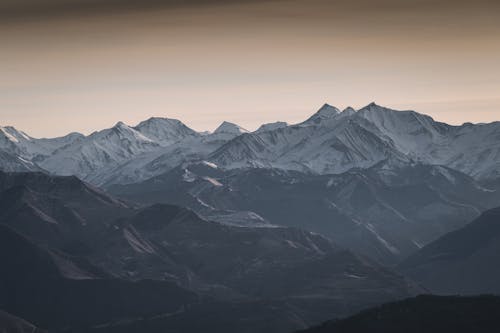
point(80, 66)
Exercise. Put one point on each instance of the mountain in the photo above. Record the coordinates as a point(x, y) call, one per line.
point(230, 128)
point(79, 237)
point(56, 210)
point(164, 130)
point(106, 148)
point(297, 276)
point(19, 143)
point(14, 163)
point(463, 261)
point(325, 112)
point(76, 154)
point(35, 286)
point(13, 324)
point(333, 142)
point(386, 212)
point(429, 314)
point(329, 142)
point(271, 126)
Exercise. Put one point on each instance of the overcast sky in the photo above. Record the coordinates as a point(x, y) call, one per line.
point(75, 65)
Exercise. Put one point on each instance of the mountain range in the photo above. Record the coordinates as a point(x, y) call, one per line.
point(379, 181)
point(329, 142)
point(160, 228)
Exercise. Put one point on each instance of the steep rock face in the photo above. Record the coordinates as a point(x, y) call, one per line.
point(463, 261)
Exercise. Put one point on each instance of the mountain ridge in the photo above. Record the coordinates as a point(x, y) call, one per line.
point(329, 142)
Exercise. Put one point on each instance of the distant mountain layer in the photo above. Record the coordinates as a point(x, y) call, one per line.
point(423, 314)
point(463, 261)
point(329, 142)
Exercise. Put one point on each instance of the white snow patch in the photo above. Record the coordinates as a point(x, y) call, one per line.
point(25, 160)
point(9, 136)
point(204, 204)
point(291, 244)
point(210, 164)
point(387, 245)
point(213, 181)
point(188, 176)
point(417, 244)
point(138, 244)
point(353, 276)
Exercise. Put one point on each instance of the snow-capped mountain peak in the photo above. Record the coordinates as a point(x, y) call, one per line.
point(123, 131)
point(231, 128)
point(165, 131)
point(330, 141)
point(327, 111)
point(372, 106)
point(13, 135)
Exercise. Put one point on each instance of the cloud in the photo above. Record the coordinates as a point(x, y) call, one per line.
point(19, 10)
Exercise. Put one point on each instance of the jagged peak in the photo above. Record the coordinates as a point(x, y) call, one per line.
point(327, 108)
point(325, 112)
point(121, 124)
point(228, 127)
point(14, 134)
point(372, 106)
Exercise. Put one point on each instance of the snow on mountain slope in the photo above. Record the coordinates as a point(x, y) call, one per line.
point(472, 149)
point(13, 163)
point(19, 143)
point(329, 142)
point(164, 130)
point(150, 164)
point(475, 150)
point(332, 142)
point(325, 112)
point(227, 127)
point(103, 149)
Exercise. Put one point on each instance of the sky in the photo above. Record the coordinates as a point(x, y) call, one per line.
point(83, 65)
